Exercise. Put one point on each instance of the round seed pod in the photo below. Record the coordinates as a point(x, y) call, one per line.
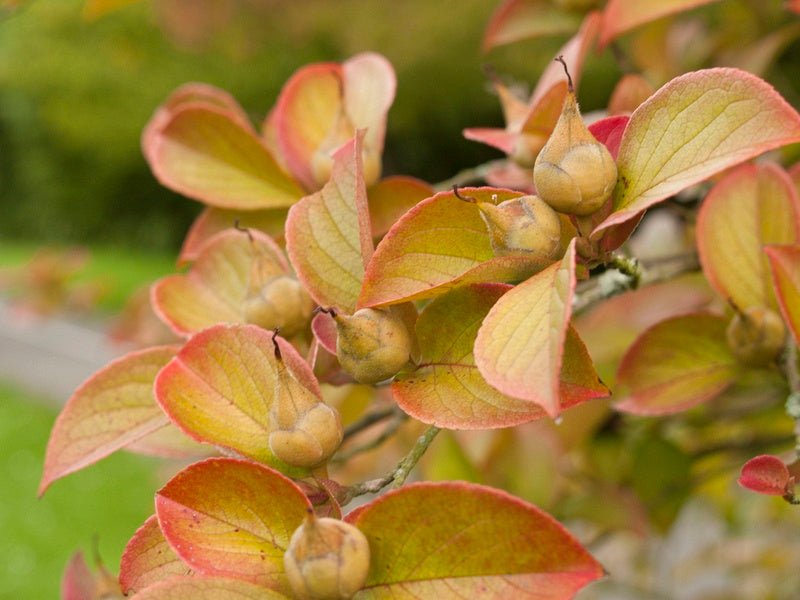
point(756, 335)
point(372, 344)
point(525, 225)
point(281, 303)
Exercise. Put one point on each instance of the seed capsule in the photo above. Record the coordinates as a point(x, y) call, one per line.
point(574, 173)
point(280, 303)
point(756, 335)
point(372, 344)
point(525, 225)
point(327, 559)
point(305, 431)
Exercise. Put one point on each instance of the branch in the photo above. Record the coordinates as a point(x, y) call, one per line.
point(400, 473)
point(388, 432)
point(369, 420)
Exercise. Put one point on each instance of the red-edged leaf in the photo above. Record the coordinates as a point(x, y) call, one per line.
point(324, 328)
point(573, 53)
point(214, 289)
point(111, 409)
point(631, 90)
point(785, 264)
point(232, 518)
point(391, 198)
point(516, 20)
point(676, 364)
point(752, 206)
point(78, 581)
point(439, 244)
point(766, 474)
point(191, 94)
point(697, 125)
point(203, 153)
point(207, 588)
point(329, 236)
point(609, 132)
point(220, 387)
point(468, 541)
point(323, 105)
point(148, 558)
point(620, 16)
point(447, 390)
point(520, 345)
point(212, 221)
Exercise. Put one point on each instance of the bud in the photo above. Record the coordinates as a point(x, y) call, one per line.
point(372, 344)
point(327, 559)
point(525, 225)
point(280, 303)
point(574, 173)
point(756, 335)
point(305, 431)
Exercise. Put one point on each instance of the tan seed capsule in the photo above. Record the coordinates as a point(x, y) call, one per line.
point(305, 431)
point(327, 559)
point(525, 225)
point(372, 344)
point(756, 335)
point(574, 173)
point(280, 303)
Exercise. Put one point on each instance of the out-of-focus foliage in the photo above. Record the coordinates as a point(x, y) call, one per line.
point(75, 94)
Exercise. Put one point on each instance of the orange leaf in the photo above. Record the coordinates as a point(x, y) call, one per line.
point(447, 390)
point(110, 410)
point(520, 345)
point(620, 16)
point(232, 518)
point(752, 206)
point(220, 387)
point(516, 20)
point(766, 474)
point(468, 541)
point(148, 558)
point(440, 244)
point(391, 198)
point(328, 234)
point(214, 290)
point(202, 152)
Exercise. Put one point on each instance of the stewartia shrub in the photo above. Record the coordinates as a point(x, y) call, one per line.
point(327, 311)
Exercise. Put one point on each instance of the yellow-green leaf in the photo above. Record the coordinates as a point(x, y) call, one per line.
point(462, 540)
point(752, 206)
point(676, 364)
point(697, 125)
point(110, 410)
point(148, 558)
point(785, 263)
point(520, 345)
point(328, 234)
point(205, 154)
point(207, 588)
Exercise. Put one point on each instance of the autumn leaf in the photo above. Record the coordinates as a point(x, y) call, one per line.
point(767, 474)
point(697, 125)
point(220, 387)
point(620, 16)
point(204, 154)
point(228, 266)
point(447, 390)
point(752, 206)
point(232, 518)
point(110, 410)
point(516, 20)
point(675, 365)
point(468, 541)
point(207, 588)
point(785, 263)
point(440, 244)
point(328, 234)
point(391, 198)
point(148, 558)
point(519, 347)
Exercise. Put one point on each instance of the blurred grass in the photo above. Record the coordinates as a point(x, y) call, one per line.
point(120, 272)
point(108, 500)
